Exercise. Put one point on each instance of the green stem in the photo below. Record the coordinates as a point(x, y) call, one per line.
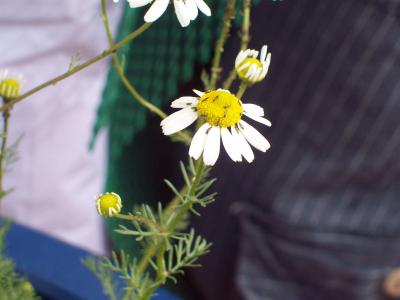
point(6, 116)
point(188, 205)
point(219, 45)
point(242, 88)
point(78, 68)
point(136, 95)
point(245, 39)
point(160, 263)
point(245, 36)
point(183, 210)
point(151, 249)
point(228, 82)
point(161, 274)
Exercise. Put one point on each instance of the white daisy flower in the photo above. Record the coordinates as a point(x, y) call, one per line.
point(186, 10)
point(222, 112)
point(249, 67)
point(10, 84)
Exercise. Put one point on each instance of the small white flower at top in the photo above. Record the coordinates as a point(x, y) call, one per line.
point(10, 84)
point(249, 67)
point(223, 114)
point(186, 10)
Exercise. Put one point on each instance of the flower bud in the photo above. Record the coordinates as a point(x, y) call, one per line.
point(109, 204)
point(252, 67)
point(10, 85)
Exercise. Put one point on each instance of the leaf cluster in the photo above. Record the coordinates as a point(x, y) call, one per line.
point(12, 285)
point(162, 230)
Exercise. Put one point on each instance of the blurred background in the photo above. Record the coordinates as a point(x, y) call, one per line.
point(316, 217)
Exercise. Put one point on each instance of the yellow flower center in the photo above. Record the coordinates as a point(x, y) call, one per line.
point(10, 88)
point(220, 108)
point(109, 204)
point(252, 61)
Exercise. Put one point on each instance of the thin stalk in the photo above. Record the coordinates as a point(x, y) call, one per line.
point(242, 88)
point(130, 37)
point(245, 36)
point(188, 205)
point(183, 210)
point(219, 45)
point(183, 136)
point(6, 117)
point(245, 39)
point(231, 78)
point(151, 250)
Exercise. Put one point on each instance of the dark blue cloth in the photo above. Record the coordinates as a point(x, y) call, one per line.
point(55, 268)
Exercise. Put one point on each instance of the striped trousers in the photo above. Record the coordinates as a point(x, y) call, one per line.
point(318, 216)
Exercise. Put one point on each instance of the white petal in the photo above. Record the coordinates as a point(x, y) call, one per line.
point(251, 71)
point(212, 146)
point(268, 60)
point(230, 146)
point(263, 54)
point(253, 109)
point(198, 93)
point(244, 66)
point(255, 138)
point(254, 53)
point(156, 10)
point(138, 3)
point(258, 119)
point(183, 102)
point(266, 65)
point(242, 145)
point(239, 58)
point(203, 7)
point(197, 145)
point(192, 9)
point(181, 13)
point(227, 91)
point(178, 121)
point(257, 75)
point(254, 73)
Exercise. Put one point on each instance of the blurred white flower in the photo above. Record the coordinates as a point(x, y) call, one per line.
point(222, 112)
point(186, 10)
point(249, 67)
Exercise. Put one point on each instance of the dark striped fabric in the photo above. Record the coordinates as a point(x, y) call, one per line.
point(320, 213)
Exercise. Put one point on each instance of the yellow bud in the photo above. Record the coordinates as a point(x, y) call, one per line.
point(10, 84)
point(10, 88)
point(246, 65)
point(109, 204)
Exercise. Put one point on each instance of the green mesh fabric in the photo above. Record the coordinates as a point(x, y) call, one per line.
point(156, 63)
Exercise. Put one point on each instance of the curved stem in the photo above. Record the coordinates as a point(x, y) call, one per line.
point(137, 96)
point(76, 69)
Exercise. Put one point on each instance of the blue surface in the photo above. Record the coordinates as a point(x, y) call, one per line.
point(55, 268)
